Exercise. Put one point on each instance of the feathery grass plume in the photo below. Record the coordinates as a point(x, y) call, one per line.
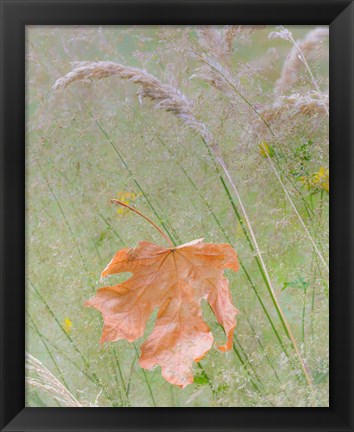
point(231, 32)
point(221, 78)
point(310, 104)
point(218, 42)
point(217, 76)
point(213, 40)
point(296, 58)
point(216, 70)
point(263, 64)
point(172, 100)
point(47, 382)
point(165, 96)
point(313, 102)
point(241, 31)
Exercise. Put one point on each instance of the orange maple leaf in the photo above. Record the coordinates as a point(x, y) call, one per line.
point(174, 280)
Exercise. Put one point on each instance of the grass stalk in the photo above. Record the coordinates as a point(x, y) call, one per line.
point(63, 215)
point(42, 378)
point(265, 273)
point(254, 385)
point(115, 148)
point(233, 87)
point(146, 379)
point(298, 214)
point(308, 209)
point(36, 329)
point(131, 374)
point(247, 360)
point(220, 226)
point(72, 343)
point(111, 227)
point(269, 158)
point(121, 376)
point(313, 79)
point(68, 358)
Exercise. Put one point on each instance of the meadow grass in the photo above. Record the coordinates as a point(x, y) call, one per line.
point(224, 157)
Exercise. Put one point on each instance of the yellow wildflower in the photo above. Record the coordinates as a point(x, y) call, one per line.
point(306, 182)
point(316, 181)
point(126, 198)
point(67, 325)
point(321, 179)
point(265, 149)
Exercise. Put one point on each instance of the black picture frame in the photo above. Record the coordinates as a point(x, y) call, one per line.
point(15, 15)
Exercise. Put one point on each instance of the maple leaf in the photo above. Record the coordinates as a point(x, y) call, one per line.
point(174, 280)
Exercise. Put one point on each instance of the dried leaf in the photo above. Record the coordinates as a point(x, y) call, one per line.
point(174, 280)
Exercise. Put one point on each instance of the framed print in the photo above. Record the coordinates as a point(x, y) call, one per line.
point(170, 237)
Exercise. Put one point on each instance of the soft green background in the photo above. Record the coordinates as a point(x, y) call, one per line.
point(72, 170)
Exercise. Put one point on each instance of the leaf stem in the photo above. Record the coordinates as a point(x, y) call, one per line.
point(115, 201)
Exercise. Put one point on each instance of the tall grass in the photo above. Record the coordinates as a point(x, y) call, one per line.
point(204, 174)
